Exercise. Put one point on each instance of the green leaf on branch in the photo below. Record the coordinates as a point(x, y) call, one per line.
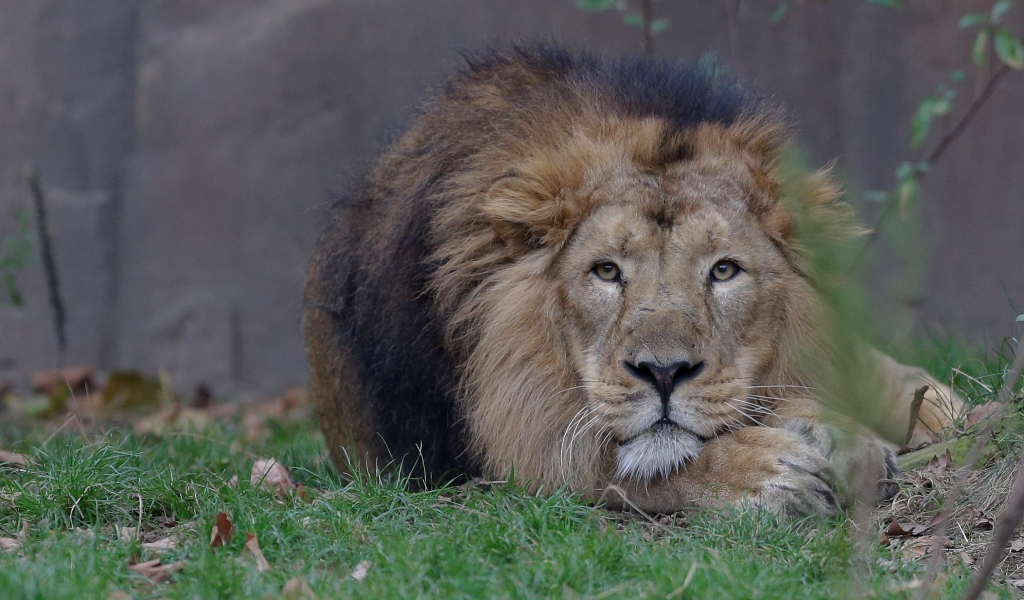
point(886, 3)
point(658, 26)
point(972, 20)
point(1000, 9)
point(595, 5)
point(922, 123)
point(1020, 318)
point(1009, 49)
point(981, 46)
point(633, 19)
point(780, 12)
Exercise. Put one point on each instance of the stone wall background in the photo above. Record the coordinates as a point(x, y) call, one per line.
point(189, 147)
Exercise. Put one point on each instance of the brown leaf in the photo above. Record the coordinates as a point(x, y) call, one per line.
point(13, 458)
point(361, 571)
point(161, 545)
point(967, 559)
point(297, 589)
point(939, 464)
point(78, 379)
point(155, 571)
point(1017, 545)
point(252, 545)
point(919, 547)
point(7, 543)
point(272, 476)
point(982, 412)
point(130, 390)
point(222, 530)
point(896, 529)
point(984, 524)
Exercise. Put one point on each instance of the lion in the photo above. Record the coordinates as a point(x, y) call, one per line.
point(585, 273)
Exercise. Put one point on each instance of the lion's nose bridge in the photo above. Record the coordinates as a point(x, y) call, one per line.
point(668, 334)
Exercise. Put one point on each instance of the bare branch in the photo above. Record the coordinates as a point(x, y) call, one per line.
point(647, 6)
point(35, 183)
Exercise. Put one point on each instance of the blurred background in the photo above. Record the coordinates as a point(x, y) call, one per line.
point(187, 150)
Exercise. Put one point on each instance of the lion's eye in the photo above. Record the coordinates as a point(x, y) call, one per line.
point(724, 270)
point(607, 270)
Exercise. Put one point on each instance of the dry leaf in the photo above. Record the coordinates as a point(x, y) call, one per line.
point(222, 530)
point(127, 534)
point(155, 571)
point(78, 379)
point(1017, 583)
point(982, 412)
point(13, 458)
point(967, 559)
point(919, 547)
point(297, 589)
point(253, 546)
point(7, 543)
point(939, 464)
point(271, 476)
point(896, 529)
point(361, 571)
point(984, 524)
point(161, 545)
point(1017, 545)
point(119, 595)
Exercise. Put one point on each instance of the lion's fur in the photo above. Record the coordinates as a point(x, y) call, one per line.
point(435, 313)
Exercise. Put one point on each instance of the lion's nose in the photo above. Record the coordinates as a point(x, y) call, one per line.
point(665, 378)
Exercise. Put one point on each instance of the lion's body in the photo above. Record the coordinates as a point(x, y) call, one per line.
point(460, 317)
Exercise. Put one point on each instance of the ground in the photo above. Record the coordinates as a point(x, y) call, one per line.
point(181, 502)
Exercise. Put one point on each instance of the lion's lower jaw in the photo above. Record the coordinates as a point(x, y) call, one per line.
point(655, 455)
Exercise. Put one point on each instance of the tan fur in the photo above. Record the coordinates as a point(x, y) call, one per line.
point(540, 344)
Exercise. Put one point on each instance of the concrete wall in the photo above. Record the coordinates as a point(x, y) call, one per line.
point(189, 146)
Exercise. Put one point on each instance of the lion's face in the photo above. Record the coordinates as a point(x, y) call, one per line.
point(673, 297)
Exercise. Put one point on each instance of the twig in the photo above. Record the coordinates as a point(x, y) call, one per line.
point(964, 121)
point(940, 149)
point(49, 263)
point(915, 412)
point(647, 6)
point(942, 524)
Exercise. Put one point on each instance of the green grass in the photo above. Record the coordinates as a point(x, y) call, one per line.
point(453, 542)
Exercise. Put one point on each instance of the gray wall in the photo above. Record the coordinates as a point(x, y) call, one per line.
point(189, 146)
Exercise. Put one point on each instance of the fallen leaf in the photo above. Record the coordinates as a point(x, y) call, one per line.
point(297, 589)
point(78, 380)
point(967, 559)
point(896, 529)
point(155, 571)
point(1017, 545)
point(1017, 583)
point(233, 482)
point(272, 476)
point(130, 390)
point(253, 546)
point(7, 543)
point(161, 545)
point(939, 464)
point(982, 412)
point(361, 571)
point(919, 547)
point(13, 458)
point(222, 530)
point(119, 595)
point(984, 524)
point(127, 534)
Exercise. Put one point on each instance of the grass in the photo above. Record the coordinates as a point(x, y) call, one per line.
point(83, 495)
point(467, 541)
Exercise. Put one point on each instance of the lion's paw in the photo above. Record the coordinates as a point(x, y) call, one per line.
point(802, 484)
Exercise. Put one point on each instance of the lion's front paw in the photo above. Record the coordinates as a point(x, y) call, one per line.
point(802, 485)
point(774, 469)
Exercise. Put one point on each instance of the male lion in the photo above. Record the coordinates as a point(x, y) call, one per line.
point(584, 272)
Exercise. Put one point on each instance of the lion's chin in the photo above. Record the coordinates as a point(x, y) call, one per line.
point(656, 453)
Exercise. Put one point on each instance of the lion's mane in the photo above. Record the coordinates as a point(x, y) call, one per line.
point(433, 333)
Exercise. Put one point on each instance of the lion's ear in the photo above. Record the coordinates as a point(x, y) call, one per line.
point(530, 212)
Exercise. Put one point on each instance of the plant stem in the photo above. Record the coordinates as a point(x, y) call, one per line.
point(35, 183)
